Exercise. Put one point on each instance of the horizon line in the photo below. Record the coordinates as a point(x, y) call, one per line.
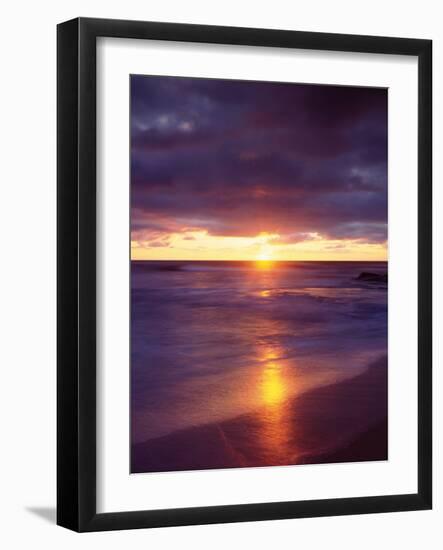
point(253, 261)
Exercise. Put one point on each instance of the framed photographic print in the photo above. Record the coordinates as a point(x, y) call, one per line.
point(244, 274)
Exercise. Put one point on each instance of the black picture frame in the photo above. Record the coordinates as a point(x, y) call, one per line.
point(76, 281)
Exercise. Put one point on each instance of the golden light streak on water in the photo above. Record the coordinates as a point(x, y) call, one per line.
point(272, 385)
point(264, 264)
point(276, 426)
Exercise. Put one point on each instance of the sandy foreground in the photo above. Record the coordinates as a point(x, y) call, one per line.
point(342, 422)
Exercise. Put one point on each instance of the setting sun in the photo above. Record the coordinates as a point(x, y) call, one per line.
point(264, 255)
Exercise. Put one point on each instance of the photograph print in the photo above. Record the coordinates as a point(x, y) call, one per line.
point(259, 274)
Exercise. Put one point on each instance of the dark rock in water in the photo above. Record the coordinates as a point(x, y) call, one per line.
point(369, 277)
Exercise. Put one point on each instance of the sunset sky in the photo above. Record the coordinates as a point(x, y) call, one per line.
point(236, 170)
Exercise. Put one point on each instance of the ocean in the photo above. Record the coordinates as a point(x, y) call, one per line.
point(212, 341)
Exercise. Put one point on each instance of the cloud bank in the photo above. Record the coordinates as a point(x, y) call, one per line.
point(238, 158)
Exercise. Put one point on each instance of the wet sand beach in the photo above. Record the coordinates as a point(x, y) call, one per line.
point(339, 422)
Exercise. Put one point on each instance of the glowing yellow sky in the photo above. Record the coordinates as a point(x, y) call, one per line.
point(200, 245)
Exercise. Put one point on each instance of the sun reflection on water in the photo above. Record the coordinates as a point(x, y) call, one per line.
point(265, 293)
point(274, 391)
point(272, 384)
point(264, 264)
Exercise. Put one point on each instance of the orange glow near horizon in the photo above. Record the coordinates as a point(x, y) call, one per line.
point(264, 248)
point(264, 264)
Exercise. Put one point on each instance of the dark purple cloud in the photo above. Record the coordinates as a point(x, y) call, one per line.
point(238, 158)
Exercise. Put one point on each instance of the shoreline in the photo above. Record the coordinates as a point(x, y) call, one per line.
point(291, 433)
